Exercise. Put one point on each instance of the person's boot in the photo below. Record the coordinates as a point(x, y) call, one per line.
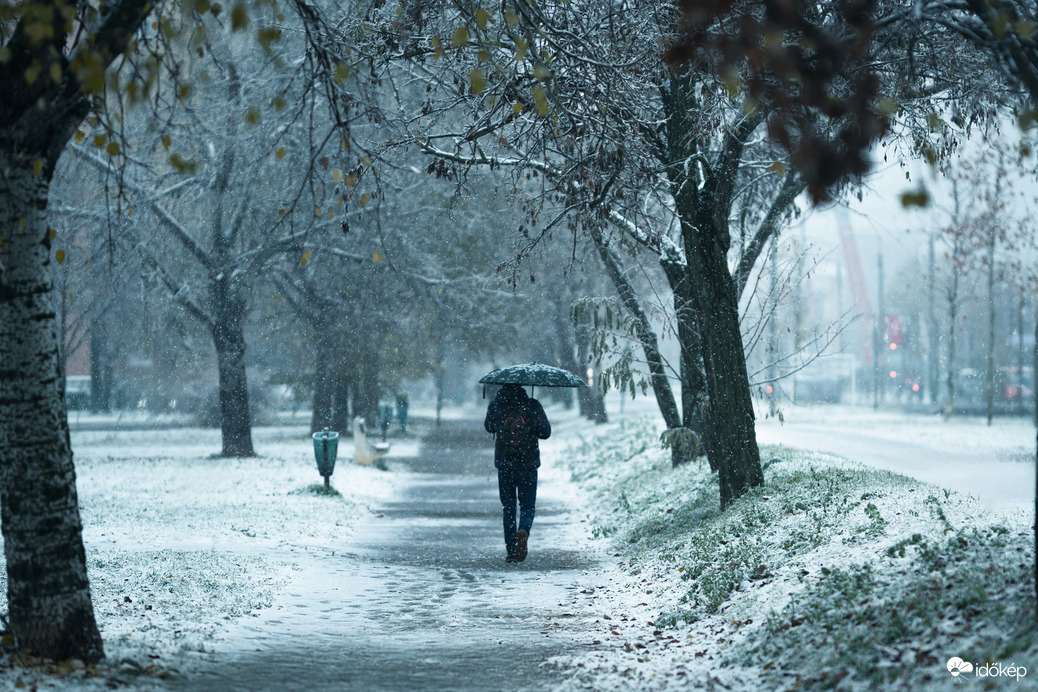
point(520, 545)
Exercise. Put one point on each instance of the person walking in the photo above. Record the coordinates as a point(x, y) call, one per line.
point(517, 422)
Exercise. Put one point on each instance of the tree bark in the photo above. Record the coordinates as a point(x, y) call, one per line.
point(564, 341)
point(229, 341)
point(646, 336)
point(953, 315)
point(438, 376)
point(694, 399)
point(989, 385)
point(48, 593)
point(734, 445)
point(585, 404)
point(703, 208)
point(321, 406)
point(100, 367)
point(365, 403)
point(597, 409)
point(341, 419)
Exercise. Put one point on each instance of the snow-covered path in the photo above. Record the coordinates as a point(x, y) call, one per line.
point(420, 596)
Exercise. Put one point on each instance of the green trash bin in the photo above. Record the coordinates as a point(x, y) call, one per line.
point(326, 446)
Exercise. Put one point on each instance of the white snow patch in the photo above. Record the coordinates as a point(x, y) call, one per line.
point(181, 544)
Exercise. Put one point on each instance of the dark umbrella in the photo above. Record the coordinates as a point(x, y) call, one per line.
point(534, 375)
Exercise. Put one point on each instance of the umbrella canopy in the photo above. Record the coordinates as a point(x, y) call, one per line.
point(535, 374)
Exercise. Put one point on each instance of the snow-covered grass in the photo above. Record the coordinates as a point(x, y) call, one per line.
point(832, 575)
point(180, 542)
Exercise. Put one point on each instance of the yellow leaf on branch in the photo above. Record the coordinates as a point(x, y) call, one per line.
point(239, 17)
point(477, 81)
point(460, 37)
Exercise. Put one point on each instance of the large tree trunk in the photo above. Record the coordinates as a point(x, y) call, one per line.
point(229, 340)
point(48, 593)
point(694, 398)
point(734, 449)
point(100, 367)
point(321, 406)
point(703, 208)
point(341, 419)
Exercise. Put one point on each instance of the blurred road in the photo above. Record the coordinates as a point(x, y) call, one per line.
point(420, 598)
point(999, 474)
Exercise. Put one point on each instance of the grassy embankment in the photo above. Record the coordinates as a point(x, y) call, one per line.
point(831, 575)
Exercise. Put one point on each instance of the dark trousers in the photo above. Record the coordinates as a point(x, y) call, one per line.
point(514, 485)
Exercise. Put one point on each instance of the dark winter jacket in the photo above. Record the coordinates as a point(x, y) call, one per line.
point(510, 401)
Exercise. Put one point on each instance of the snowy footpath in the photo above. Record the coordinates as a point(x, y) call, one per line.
point(419, 597)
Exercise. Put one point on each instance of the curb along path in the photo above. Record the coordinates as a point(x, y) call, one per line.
point(419, 596)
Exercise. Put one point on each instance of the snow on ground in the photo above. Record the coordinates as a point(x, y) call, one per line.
point(180, 543)
point(832, 576)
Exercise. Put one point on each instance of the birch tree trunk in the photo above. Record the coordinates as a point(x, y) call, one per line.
point(47, 589)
